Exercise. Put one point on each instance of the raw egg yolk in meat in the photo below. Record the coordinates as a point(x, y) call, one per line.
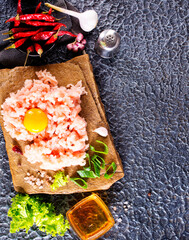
point(35, 120)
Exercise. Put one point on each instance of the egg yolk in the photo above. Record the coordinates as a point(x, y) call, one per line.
point(35, 120)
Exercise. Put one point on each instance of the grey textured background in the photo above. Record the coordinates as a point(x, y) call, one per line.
point(145, 91)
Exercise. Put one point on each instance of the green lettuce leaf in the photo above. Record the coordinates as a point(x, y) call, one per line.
point(27, 210)
point(60, 179)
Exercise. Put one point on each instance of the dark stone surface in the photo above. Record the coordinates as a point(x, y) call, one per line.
point(146, 96)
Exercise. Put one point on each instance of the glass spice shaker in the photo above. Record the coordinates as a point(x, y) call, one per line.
point(108, 43)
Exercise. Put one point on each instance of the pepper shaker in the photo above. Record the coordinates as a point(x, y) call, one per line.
point(108, 43)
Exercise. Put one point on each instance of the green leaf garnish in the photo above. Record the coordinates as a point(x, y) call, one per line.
point(60, 179)
point(89, 167)
point(27, 210)
point(102, 152)
point(77, 181)
point(97, 170)
point(111, 168)
point(86, 174)
point(96, 159)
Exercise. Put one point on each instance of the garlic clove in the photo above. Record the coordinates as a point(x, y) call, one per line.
point(102, 131)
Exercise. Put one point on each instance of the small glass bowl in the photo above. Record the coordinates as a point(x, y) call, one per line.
point(90, 218)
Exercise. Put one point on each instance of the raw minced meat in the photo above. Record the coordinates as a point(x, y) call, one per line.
point(64, 142)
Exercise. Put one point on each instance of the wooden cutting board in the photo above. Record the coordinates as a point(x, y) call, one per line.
point(77, 69)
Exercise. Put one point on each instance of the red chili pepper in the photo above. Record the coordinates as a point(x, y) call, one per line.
point(35, 16)
point(12, 19)
point(61, 33)
point(53, 38)
point(19, 8)
point(29, 50)
point(59, 25)
point(19, 12)
point(42, 36)
point(17, 20)
point(38, 7)
point(17, 150)
point(17, 43)
point(16, 30)
point(38, 24)
point(50, 11)
point(38, 48)
point(23, 34)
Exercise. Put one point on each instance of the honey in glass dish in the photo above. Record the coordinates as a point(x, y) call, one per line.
point(90, 218)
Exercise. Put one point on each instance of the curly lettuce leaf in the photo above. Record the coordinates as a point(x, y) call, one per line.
point(22, 216)
point(60, 179)
point(27, 210)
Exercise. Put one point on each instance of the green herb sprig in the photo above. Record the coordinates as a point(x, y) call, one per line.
point(98, 163)
point(60, 179)
point(113, 167)
point(97, 151)
point(80, 182)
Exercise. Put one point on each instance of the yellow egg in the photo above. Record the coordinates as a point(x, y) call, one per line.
point(35, 120)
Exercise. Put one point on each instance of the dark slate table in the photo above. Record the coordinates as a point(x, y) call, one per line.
point(145, 91)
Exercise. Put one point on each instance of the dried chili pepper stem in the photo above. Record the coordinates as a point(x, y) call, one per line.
point(29, 50)
point(59, 19)
point(17, 43)
point(47, 12)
